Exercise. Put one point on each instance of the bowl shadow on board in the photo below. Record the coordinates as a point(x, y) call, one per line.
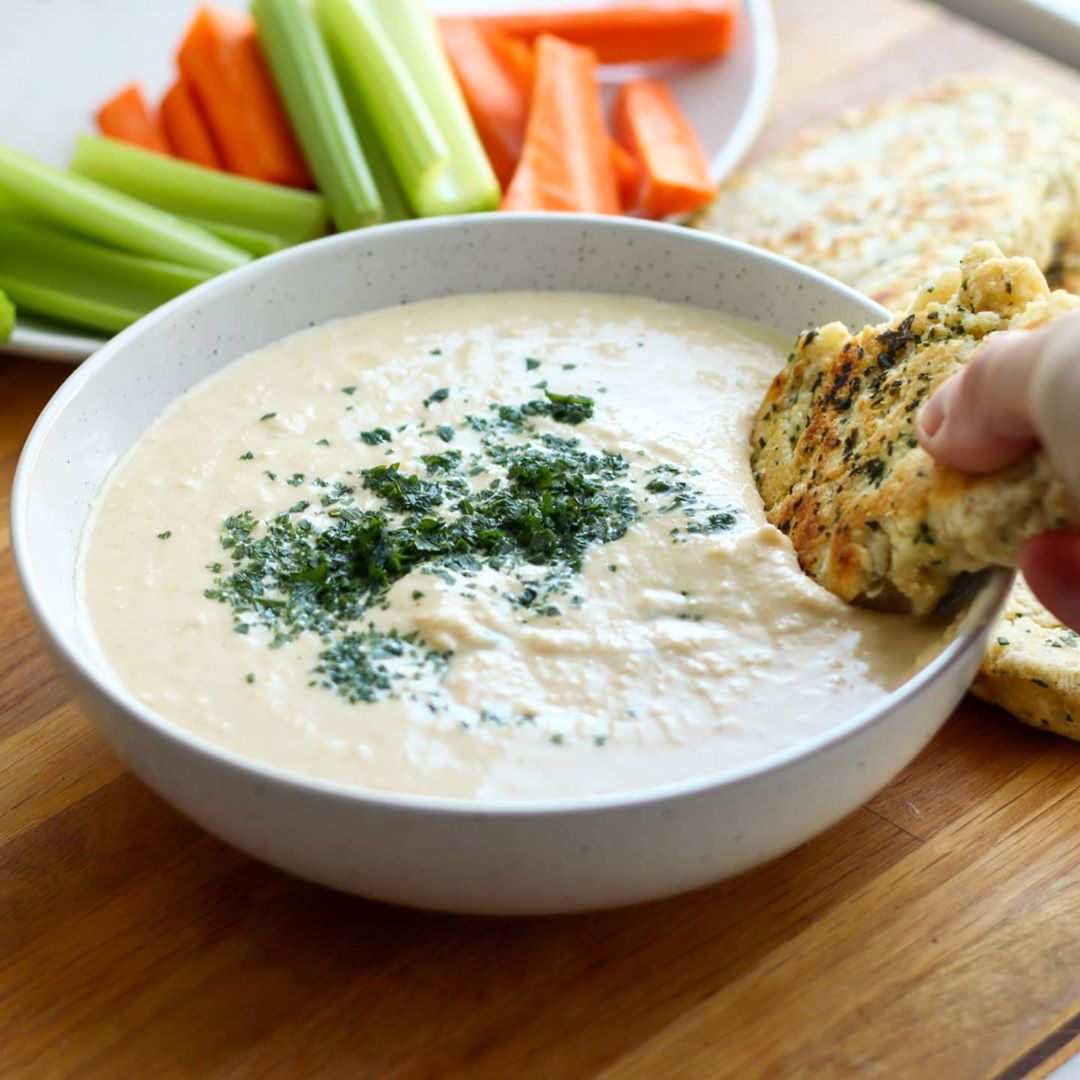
point(485, 994)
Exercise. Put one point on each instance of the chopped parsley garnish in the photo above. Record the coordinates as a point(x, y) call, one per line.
point(246, 456)
point(569, 408)
point(555, 501)
point(530, 504)
point(716, 522)
point(164, 535)
point(531, 363)
point(322, 442)
point(447, 461)
point(436, 396)
point(350, 390)
point(376, 436)
point(268, 416)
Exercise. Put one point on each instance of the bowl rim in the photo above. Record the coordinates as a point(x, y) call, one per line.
point(991, 595)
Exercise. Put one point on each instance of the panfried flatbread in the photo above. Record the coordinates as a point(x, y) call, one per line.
point(887, 197)
point(871, 515)
point(891, 194)
point(1032, 666)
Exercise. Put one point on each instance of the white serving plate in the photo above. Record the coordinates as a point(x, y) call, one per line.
point(52, 78)
point(506, 856)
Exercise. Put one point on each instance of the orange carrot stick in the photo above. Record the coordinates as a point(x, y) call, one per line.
point(497, 102)
point(126, 117)
point(627, 176)
point(186, 127)
point(515, 55)
point(675, 171)
point(566, 160)
point(222, 64)
point(634, 33)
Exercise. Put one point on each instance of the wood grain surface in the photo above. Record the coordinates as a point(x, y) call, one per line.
point(934, 933)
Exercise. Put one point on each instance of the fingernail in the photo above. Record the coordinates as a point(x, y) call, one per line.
point(932, 415)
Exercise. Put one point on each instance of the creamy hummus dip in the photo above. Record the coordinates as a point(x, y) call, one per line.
point(488, 546)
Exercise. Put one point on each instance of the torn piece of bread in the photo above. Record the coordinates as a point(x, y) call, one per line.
point(1032, 666)
point(871, 516)
point(890, 194)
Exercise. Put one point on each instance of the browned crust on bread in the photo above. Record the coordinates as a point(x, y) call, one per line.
point(871, 516)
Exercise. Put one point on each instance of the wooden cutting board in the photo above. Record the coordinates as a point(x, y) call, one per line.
point(934, 933)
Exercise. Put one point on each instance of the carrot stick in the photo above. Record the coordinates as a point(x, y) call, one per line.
point(221, 62)
point(627, 176)
point(633, 33)
point(498, 103)
point(127, 117)
point(515, 55)
point(566, 160)
point(675, 171)
point(186, 127)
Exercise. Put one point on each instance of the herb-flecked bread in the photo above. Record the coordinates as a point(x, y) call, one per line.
point(892, 193)
point(870, 514)
point(1032, 667)
point(968, 159)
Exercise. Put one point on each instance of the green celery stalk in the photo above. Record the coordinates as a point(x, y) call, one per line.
point(252, 240)
point(399, 113)
point(39, 298)
point(190, 190)
point(468, 184)
point(394, 203)
point(66, 277)
point(85, 207)
point(304, 75)
point(7, 317)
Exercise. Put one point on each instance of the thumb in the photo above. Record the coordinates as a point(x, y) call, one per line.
point(979, 419)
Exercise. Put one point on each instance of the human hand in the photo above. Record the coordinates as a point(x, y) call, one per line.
point(1021, 389)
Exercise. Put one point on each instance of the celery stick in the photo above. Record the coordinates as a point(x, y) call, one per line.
point(66, 277)
point(194, 191)
point(468, 184)
point(7, 317)
point(258, 243)
point(399, 114)
point(395, 205)
point(39, 298)
point(85, 207)
point(305, 78)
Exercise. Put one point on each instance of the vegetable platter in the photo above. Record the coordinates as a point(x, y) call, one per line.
point(194, 138)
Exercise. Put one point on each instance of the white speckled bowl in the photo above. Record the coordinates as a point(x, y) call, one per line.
point(458, 855)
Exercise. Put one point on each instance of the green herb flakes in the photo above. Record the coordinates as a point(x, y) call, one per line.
point(376, 436)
